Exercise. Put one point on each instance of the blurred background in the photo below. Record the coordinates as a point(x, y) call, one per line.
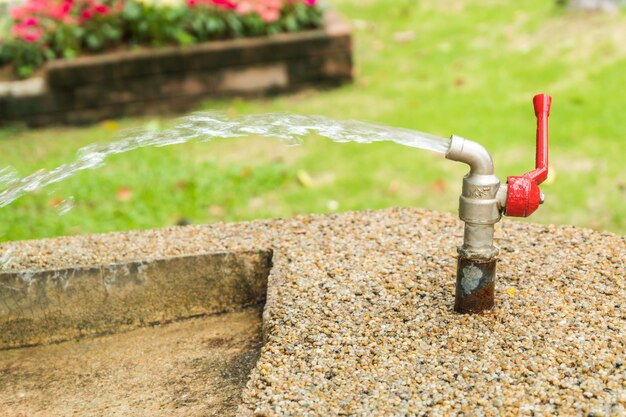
point(468, 67)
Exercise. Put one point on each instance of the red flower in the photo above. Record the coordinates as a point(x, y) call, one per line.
point(60, 11)
point(31, 21)
point(101, 9)
point(86, 14)
point(226, 4)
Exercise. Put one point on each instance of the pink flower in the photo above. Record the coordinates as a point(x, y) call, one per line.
point(244, 7)
point(27, 32)
point(101, 9)
point(86, 14)
point(35, 18)
point(307, 2)
point(53, 9)
point(268, 10)
point(270, 15)
point(31, 21)
point(60, 11)
point(19, 13)
point(226, 4)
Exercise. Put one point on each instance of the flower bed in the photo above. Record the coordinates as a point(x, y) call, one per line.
point(176, 76)
point(43, 30)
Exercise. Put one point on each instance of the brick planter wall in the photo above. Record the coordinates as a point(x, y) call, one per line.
point(174, 79)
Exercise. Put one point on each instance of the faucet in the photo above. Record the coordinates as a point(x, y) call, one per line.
point(481, 205)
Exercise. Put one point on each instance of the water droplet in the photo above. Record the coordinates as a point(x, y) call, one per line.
point(66, 205)
point(6, 259)
point(332, 205)
point(8, 175)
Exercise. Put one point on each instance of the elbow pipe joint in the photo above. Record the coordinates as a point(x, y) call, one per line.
point(471, 153)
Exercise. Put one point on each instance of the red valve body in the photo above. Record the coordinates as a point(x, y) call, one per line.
point(524, 195)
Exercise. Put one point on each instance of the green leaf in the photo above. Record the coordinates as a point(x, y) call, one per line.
point(25, 71)
point(235, 24)
point(112, 33)
point(184, 38)
point(143, 27)
point(301, 12)
point(196, 26)
point(256, 26)
point(93, 42)
point(132, 10)
point(273, 29)
point(214, 24)
point(49, 54)
point(291, 24)
point(69, 53)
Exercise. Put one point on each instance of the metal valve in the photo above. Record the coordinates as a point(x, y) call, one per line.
point(482, 202)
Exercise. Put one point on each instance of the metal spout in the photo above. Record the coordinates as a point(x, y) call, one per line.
point(472, 154)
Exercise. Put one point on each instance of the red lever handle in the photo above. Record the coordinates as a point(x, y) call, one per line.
point(524, 195)
point(542, 103)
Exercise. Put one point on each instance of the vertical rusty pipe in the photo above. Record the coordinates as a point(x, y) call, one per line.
point(475, 285)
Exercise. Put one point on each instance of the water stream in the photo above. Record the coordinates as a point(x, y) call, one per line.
point(203, 127)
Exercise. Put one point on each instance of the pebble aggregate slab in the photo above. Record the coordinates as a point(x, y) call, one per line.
point(359, 316)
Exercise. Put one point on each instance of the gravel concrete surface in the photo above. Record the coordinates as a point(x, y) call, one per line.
point(359, 316)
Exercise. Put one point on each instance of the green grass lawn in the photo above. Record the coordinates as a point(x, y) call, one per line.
point(465, 67)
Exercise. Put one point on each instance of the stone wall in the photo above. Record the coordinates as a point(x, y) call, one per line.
point(174, 79)
point(49, 306)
